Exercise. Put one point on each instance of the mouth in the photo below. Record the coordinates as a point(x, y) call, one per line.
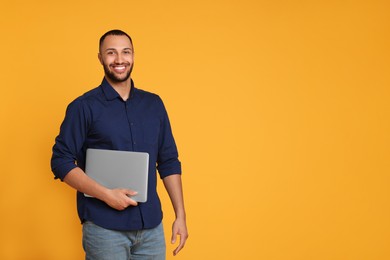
point(119, 68)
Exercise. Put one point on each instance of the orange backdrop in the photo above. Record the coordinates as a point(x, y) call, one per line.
point(280, 111)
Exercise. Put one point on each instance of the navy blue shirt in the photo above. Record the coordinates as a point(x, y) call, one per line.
point(102, 119)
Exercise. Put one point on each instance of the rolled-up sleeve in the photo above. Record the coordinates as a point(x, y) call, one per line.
point(70, 140)
point(167, 159)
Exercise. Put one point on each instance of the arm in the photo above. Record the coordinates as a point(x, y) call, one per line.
point(115, 198)
point(68, 143)
point(173, 185)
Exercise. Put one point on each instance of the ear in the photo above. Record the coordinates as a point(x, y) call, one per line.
point(100, 58)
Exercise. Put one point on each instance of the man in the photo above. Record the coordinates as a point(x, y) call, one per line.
point(118, 116)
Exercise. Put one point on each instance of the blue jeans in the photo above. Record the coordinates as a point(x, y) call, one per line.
point(104, 244)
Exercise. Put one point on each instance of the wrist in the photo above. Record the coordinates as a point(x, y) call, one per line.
point(181, 215)
point(105, 194)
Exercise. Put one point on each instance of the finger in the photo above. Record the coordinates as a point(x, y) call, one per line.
point(181, 245)
point(174, 235)
point(177, 250)
point(173, 239)
point(128, 200)
point(129, 192)
point(132, 202)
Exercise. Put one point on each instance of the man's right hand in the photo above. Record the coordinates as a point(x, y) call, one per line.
point(116, 198)
point(119, 198)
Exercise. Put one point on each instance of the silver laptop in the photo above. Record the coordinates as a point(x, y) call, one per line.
point(119, 169)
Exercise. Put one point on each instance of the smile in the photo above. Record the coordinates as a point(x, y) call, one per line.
point(120, 68)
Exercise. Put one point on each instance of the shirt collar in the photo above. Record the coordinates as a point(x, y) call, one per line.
point(111, 94)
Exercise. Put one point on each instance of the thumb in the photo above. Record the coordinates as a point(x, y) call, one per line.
point(173, 238)
point(131, 192)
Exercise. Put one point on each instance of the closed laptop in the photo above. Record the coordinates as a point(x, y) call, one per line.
point(119, 169)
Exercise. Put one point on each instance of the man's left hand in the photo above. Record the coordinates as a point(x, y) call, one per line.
point(179, 228)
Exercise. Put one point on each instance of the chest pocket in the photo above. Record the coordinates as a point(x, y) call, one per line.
point(151, 131)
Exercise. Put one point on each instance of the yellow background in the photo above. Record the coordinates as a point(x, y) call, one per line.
point(280, 110)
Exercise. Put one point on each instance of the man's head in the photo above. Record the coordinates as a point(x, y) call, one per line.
point(116, 54)
point(115, 33)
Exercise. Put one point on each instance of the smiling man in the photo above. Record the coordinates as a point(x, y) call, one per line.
point(118, 116)
point(116, 54)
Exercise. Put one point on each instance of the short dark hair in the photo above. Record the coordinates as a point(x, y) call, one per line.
point(114, 32)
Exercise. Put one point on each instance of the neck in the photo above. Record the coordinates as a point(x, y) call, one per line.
point(123, 88)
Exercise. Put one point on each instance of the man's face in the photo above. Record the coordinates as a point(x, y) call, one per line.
point(117, 57)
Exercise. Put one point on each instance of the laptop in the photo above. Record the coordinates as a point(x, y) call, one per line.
point(119, 169)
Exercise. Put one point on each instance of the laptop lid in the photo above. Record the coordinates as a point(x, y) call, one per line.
point(119, 169)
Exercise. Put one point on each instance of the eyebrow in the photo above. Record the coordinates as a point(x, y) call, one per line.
point(113, 49)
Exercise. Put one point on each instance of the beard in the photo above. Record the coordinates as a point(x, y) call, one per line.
point(114, 77)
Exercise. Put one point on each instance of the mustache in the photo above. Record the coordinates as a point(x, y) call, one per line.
point(122, 63)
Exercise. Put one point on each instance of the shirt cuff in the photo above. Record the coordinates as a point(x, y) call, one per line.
point(169, 170)
point(61, 171)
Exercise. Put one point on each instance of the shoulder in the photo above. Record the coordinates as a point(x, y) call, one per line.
point(150, 102)
point(86, 100)
point(90, 96)
point(147, 96)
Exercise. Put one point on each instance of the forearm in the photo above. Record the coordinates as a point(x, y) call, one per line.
point(78, 180)
point(173, 185)
point(115, 198)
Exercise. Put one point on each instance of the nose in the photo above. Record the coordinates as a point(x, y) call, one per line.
point(118, 58)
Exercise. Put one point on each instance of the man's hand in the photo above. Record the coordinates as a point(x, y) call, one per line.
point(179, 227)
point(173, 186)
point(119, 198)
point(116, 198)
